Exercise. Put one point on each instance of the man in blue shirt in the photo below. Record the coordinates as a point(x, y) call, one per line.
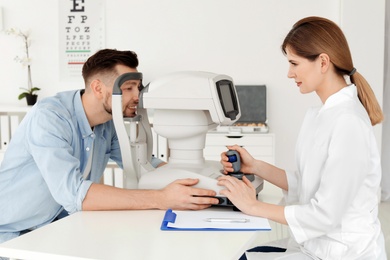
point(41, 175)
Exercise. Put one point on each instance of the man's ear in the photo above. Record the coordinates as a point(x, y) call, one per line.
point(96, 87)
point(325, 62)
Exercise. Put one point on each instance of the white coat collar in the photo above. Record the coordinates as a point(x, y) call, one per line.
point(347, 93)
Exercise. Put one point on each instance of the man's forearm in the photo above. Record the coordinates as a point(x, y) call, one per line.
point(104, 197)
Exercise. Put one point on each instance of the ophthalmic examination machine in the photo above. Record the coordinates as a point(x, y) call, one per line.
point(186, 106)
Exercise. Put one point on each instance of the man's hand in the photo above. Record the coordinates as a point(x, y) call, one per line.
point(180, 195)
point(177, 195)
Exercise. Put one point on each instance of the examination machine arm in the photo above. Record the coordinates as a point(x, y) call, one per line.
point(136, 148)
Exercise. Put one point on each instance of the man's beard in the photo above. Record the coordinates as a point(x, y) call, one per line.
point(108, 109)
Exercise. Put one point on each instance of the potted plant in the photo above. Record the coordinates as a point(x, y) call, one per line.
point(30, 95)
point(30, 92)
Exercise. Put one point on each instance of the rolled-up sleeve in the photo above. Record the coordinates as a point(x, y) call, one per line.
point(291, 196)
point(84, 187)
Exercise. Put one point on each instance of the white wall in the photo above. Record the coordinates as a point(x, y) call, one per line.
point(364, 25)
point(238, 38)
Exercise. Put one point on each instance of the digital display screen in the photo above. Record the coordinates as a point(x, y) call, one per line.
point(227, 98)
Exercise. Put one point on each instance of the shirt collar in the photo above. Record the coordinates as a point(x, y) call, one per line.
point(81, 117)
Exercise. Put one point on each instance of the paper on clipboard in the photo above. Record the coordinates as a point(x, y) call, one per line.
point(200, 220)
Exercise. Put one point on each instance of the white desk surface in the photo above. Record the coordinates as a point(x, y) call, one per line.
point(131, 234)
point(125, 235)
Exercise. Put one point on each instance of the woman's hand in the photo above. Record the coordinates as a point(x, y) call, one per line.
point(240, 192)
point(247, 161)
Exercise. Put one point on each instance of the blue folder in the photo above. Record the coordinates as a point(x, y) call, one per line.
point(200, 225)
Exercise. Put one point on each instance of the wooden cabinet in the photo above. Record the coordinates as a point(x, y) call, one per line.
point(260, 145)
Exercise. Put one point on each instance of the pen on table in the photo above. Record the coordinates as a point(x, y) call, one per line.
point(227, 220)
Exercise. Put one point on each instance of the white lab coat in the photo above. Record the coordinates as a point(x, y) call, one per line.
point(333, 195)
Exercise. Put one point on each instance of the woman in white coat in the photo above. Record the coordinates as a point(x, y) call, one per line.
point(331, 200)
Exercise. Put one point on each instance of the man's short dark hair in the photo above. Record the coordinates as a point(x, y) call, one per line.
point(105, 60)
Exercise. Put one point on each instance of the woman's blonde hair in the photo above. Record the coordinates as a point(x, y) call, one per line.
point(312, 36)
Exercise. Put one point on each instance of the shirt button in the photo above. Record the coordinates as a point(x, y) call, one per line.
point(87, 149)
point(92, 135)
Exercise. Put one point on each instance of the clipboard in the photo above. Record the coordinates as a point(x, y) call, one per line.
point(206, 220)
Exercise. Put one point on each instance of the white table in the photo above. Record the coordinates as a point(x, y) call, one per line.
point(125, 235)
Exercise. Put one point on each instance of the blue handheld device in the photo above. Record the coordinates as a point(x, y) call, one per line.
point(234, 158)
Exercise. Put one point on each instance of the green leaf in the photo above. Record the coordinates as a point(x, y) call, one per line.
point(22, 95)
point(34, 89)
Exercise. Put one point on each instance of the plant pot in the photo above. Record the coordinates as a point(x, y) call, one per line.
point(31, 99)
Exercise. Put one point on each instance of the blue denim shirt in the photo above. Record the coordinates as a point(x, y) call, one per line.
point(42, 170)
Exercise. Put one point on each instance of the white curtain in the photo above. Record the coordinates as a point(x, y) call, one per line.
point(386, 109)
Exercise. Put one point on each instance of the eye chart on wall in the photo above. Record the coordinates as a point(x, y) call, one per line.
point(81, 34)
